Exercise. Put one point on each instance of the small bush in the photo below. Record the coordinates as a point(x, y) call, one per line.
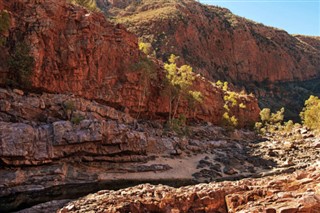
point(229, 121)
point(242, 106)
point(196, 95)
point(288, 126)
point(69, 108)
point(179, 125)
point(146, 48)
point(89, 4)
point(77, 119)
point(270, 122)
point(69, 105)
point(310, 114)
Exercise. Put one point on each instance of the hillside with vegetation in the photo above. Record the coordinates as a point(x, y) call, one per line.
point(266, 61)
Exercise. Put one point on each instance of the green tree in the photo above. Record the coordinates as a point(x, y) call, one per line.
point(310, 114)
point(179, 80)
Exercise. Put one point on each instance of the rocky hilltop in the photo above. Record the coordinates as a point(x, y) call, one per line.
point(223, 46)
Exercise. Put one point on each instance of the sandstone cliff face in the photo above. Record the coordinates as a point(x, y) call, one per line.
point(80, 52)
point(220, 44)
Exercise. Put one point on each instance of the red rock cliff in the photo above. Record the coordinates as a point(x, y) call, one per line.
point(219, 43)
point(82, 53)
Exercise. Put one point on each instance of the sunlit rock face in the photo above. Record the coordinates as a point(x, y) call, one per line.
point(298, 192)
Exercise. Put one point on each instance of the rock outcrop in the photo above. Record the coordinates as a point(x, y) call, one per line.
point(57, 146)
point(298, 192)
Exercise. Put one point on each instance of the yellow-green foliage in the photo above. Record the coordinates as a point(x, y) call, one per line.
point(179, 77)
point(230, 99)
point(146, 48)
point(89, 4)
point(310, 114)
point(196, 95)
point(144, 16)
point(230, 102)
point(271, 121)
point(242, 106)
point(219, 84)
point(265, 115)
point(225, 86)
point(230, 121)
point(76, 119)
point(179, 80)
point(288, 126)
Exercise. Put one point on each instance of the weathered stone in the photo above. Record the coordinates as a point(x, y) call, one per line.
point(242, 196)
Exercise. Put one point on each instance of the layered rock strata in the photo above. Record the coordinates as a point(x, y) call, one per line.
point(56, 146)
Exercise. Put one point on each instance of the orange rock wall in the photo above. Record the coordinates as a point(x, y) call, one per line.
point(82, 53)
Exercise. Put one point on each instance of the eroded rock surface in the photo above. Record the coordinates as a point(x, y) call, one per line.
point(56, 146)
point(298, 192)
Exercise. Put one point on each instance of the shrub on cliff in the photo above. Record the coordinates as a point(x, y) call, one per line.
point(89, 4)
point(146, 48)
point(230, 103)
point(310, 114)
point(179, 81)
point(21, 66)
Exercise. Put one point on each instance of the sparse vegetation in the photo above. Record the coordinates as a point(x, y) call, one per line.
point(230, 102)
point(179, 125)
point(179, 81)
point(4, 25)
point(146, 48)
point(89, 4)
point(270, 122)
point(69, 108)
point(4, 21)
point(76, 119)
point(310, 114)
point(148, 73)
point(21, 66)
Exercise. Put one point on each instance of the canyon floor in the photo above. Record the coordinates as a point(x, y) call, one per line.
point(49, 159)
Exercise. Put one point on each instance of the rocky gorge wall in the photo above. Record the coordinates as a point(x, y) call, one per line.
point(80, 52)
point(52, 151)
point(220, 44)
point(263, 60)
